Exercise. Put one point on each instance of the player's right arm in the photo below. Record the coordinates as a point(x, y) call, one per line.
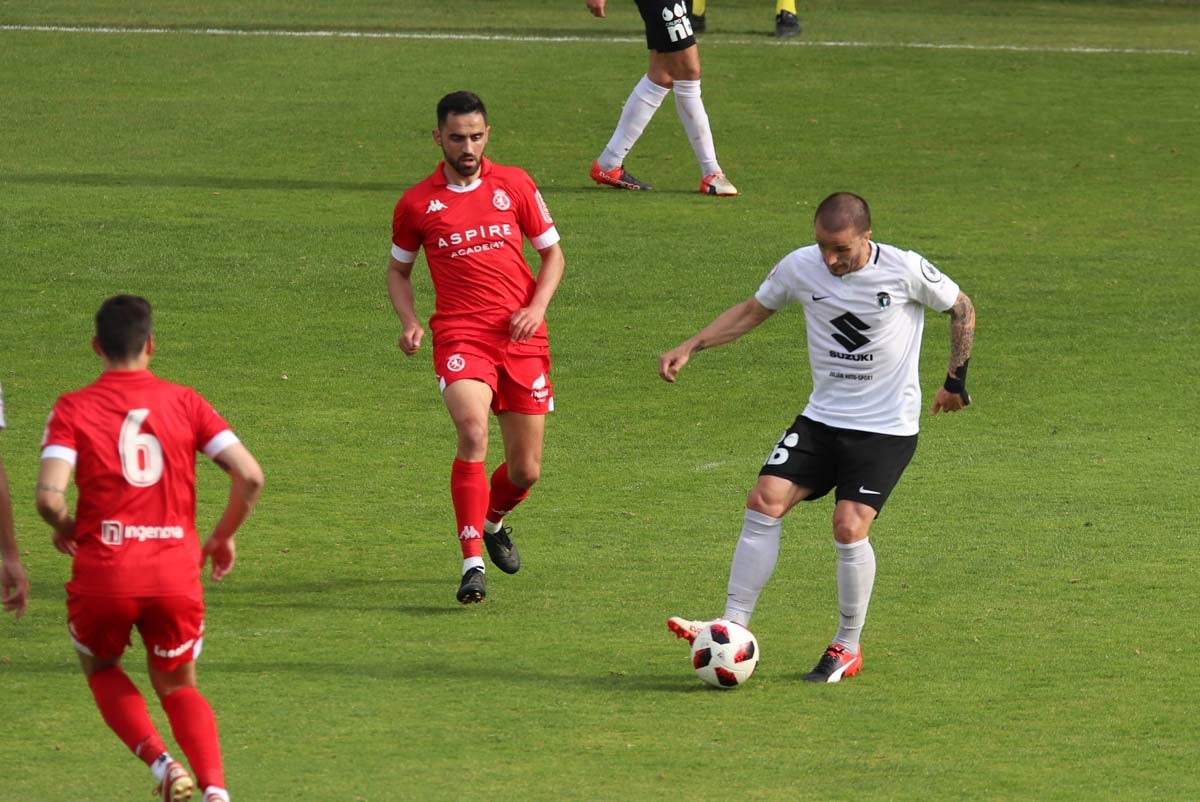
point(728, 326)
point(400, 290)
point(51, 501)
point(245, 486)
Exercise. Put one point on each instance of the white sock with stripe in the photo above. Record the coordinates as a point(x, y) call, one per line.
point(855, 580)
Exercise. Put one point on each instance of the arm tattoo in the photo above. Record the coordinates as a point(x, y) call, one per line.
point(51, 489)
point(962, 331)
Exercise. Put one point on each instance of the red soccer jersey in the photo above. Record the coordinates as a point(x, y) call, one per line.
point(133, 438)
point(473, 239)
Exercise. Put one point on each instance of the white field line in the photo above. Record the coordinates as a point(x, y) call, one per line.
point(500, 37)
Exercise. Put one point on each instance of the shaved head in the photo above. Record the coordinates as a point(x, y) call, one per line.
point(842, 211)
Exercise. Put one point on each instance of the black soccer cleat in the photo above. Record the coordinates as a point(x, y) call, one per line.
point(472, 588)
point(617, 178)
point(502, 550)
point(837, 662)
point(786, 24)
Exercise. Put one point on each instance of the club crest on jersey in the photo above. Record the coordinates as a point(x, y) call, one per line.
point(931, 273)
point(501, 200)
point(435, 205)
point(884, 299)
point(455, 363)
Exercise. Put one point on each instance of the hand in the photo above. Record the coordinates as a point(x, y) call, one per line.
point(596, 7)
point(223, 553)
point(411, 339)
point(14, 585)
point(64, 537)
point(946, 401)
point(524, 323)
point(670, 363)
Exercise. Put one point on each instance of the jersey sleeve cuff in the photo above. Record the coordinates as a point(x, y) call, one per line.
point(60, 452)
point(401, 255)
point(545, 239)
point(219, 443)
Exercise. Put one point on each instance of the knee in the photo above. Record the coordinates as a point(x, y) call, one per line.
point(760, 502)
point(472, 437)
point(524, 473)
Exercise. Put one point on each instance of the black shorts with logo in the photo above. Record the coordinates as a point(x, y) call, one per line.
point(668, 27)
point(863, 466)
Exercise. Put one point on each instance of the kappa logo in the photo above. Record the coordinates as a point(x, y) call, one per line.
point(469, 533)
point(435, 205)
point(455, 363)
point(501, 200)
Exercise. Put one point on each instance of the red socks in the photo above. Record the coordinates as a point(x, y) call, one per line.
point(124, 711)
point(505, 495)
point(195, 730)
point(469, 492)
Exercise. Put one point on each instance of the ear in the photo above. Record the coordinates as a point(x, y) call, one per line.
point(148, 348)
point(437, 136)
point(96, 347)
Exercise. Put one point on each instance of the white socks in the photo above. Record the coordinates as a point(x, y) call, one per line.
point(643, 102)
point(753, 563)
point(695, 123)
point(855, 579)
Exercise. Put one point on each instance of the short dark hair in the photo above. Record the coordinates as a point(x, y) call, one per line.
point(460, 103)
point(843, 210)
point(123, 326)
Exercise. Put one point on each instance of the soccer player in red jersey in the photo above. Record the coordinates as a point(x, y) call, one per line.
point(131, 439)
point(490, 348)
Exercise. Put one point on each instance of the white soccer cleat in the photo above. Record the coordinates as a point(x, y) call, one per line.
point(684, 628)
point(717, 184)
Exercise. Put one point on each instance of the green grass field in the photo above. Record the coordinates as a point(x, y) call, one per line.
point(1033, 634)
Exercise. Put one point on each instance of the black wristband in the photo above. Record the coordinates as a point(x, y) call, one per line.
point(957, 383)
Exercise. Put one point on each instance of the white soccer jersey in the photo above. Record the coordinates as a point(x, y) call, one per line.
point(864, 333)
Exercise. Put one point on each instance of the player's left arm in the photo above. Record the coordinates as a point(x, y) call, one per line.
point(51, 500)
point(952, 395)
point(245, 485)
point(525, 322)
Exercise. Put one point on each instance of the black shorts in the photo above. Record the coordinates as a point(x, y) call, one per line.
point(863, 466)
point(668, 28)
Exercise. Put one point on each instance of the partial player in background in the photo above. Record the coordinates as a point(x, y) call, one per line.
point(14, 584)
point(490, 346)
point(131, 440)
point(864, 311)
point(674, 64)
point(786, 22)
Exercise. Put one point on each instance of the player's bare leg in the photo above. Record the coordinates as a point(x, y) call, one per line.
point(469, 403)
point(124, 710)
point(523, 437)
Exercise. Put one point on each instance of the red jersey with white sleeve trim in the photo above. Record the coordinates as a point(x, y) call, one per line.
point(472, 238)
point(132, 439)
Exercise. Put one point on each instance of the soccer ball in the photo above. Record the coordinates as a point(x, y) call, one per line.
point(724, 654)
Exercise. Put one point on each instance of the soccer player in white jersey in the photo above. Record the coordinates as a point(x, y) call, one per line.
point(864, 314)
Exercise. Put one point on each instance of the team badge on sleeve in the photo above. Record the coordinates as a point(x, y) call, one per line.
point(931, 273)
point(501, 200)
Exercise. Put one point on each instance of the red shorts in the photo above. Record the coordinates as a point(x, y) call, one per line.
point(172, 627)
point(518, 373)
